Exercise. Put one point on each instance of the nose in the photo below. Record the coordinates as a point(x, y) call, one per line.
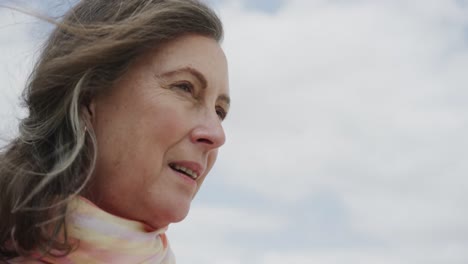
point(209, 132)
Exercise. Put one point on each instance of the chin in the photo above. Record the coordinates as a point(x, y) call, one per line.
point(171, 215)
point(180, 214)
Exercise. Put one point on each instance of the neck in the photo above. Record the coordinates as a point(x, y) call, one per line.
point(106, 238)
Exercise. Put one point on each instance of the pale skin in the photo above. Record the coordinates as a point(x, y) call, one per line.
point(165, 113)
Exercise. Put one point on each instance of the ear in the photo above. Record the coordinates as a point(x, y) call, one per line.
point(89, 112)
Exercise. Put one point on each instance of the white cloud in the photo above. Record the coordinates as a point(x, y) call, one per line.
point(17, 58)
point(345, 84)
point(368, 256)
point(193, 242)
point(347, 139)
point(365, 99)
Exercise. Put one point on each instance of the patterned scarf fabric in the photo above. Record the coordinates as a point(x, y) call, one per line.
point(106, 238)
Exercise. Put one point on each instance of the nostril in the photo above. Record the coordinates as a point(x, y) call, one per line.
point(204, 140)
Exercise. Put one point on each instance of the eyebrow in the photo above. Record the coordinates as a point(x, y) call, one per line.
point(200, 77)
point(225, 98)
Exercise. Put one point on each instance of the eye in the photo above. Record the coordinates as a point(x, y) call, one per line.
point(221, 113)
point(184, 86)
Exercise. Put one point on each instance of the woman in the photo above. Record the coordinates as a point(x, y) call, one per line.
point(125, 119)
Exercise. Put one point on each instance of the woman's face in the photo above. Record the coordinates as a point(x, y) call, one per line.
point(158, 131)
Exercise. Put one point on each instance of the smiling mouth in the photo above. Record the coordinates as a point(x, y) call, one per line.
point(186, 171)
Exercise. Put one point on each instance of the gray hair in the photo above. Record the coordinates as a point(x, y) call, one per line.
point(53, 157)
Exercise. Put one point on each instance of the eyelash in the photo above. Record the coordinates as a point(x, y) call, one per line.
point(221, 113)
point(189, 88)
point(185, 86)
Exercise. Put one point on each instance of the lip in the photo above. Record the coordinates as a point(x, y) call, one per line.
point(193, 166)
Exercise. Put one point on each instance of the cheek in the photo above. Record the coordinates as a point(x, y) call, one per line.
point(115, 137)
point(210, 162)
point(212, 158)
point(123, 145)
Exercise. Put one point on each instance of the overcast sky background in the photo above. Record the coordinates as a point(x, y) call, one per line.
point(347, 137)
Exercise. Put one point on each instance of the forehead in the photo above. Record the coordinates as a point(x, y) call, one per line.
point(200, 53)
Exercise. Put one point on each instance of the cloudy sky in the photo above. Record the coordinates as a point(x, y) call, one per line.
point(347, 138)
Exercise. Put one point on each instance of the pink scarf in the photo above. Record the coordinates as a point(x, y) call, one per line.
point(106, 238)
